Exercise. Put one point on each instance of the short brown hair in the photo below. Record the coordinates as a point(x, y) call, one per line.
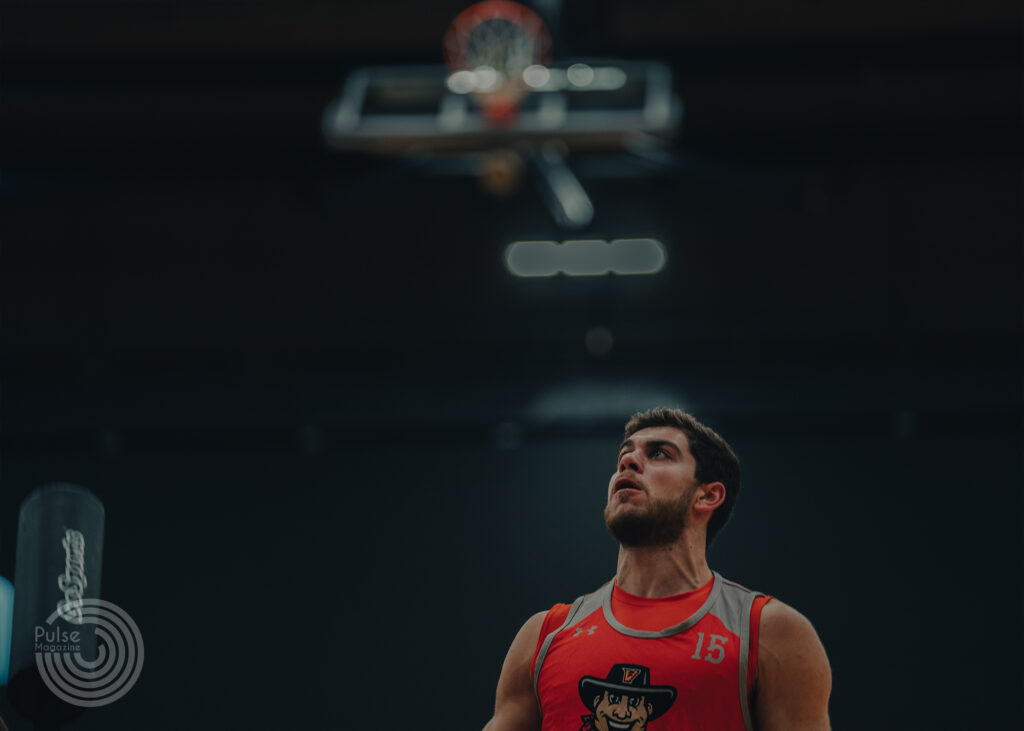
point(716, 462)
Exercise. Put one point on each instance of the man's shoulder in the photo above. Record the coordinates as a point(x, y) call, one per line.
point(788, 642)
point(793, 675)
point(781, 621)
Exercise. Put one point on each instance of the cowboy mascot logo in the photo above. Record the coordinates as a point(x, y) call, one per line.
point(624, 700)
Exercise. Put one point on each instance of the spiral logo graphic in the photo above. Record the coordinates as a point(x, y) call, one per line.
point(111, 673)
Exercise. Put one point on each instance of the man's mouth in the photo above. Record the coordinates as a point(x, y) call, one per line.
point(625, 483)
point(619, 726)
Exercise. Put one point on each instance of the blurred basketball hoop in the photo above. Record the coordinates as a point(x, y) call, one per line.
point(501, 100)
point(488, 47)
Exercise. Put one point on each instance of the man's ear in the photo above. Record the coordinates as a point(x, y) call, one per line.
point(709, 496)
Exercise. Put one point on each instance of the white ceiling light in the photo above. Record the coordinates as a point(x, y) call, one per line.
point(585, 258)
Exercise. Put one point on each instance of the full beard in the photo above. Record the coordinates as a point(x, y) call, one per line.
point(659, 525)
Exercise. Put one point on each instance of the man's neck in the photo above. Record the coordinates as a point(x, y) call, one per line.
point(663, 570)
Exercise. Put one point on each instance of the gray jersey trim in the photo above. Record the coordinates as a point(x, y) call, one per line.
point(580, 608)
point(744, 598)
point(716, 591)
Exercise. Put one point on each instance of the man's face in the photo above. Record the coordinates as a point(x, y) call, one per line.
point(615, 712)
point(652, 489)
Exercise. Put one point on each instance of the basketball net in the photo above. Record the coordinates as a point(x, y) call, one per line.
point(487, 48)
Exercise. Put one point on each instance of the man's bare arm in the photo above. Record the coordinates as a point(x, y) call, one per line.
point(515, 705)
point(794, 679)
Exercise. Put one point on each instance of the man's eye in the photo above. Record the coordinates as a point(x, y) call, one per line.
point(634, 701)
point(613, 698)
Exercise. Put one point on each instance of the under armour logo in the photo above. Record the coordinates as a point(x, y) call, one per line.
point(580, 630)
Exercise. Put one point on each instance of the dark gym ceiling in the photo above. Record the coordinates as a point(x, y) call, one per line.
point(845, 191)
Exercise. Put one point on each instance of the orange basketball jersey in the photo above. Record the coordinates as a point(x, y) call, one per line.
point(594, 673)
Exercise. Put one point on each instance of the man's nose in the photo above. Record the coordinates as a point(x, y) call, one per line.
point(630, 461)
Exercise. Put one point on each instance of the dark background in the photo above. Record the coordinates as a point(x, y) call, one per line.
point(344, 455)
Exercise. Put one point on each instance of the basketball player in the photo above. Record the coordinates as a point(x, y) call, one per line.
point(668, 644)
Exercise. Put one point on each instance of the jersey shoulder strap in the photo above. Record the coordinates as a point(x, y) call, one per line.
point(733, 608)
point(580, 608)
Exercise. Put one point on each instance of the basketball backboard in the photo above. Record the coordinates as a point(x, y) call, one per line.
point(587, 105)
point(501, 98)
